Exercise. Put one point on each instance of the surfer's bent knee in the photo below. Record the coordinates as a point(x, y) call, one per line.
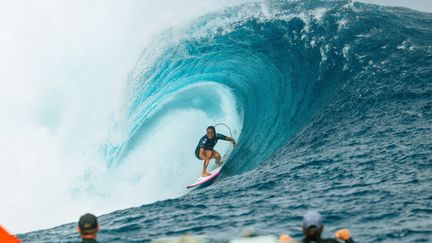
point(216, 155)
point(206, 154)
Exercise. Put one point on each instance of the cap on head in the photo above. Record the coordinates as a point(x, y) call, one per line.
point(87, 223)
point(312, 219)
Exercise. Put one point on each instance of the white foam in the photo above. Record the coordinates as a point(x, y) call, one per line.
point(62, 82)
point(318, 13)
point(345, 50)
point(342, 24)
point(166, 151)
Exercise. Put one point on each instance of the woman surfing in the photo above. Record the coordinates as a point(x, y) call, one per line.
point(204, 150)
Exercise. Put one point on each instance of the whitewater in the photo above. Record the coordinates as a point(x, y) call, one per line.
point(330, 102)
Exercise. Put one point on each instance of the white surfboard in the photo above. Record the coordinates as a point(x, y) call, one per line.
point(215, 172)
point(203, 180)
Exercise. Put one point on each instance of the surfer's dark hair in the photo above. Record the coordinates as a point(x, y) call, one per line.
point(212, 128)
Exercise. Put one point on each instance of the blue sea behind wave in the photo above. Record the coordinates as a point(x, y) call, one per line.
point(335, 100)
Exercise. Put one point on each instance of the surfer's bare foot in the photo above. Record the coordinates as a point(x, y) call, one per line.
point(205, 174)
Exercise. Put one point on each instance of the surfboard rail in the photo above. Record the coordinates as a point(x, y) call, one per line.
point(203, 180)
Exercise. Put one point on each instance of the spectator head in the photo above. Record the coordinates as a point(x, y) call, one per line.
point(312, 225)
point(88, 226)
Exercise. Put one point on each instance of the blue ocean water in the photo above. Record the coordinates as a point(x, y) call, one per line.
point(335, 100)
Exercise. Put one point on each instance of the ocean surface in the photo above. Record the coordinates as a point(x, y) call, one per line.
point(331, 105)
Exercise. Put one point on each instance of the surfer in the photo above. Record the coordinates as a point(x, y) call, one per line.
point(204, 150)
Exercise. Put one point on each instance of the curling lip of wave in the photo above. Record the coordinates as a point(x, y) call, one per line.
point(274, 93)
point(194, 96)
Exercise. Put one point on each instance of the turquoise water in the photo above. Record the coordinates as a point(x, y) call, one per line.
point(335, 104)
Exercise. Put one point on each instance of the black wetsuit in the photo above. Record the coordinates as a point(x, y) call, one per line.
point(89, 241)
point(208, 144)
point(308, 240)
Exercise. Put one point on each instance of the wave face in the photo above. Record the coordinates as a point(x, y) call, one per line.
point(331, 104)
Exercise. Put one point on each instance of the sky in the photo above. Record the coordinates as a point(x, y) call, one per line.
point(421, 5)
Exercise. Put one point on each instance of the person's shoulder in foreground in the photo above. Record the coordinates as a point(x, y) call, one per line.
point(312, 229)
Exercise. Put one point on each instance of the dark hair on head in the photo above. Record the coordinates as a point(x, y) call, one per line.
point(212, 128)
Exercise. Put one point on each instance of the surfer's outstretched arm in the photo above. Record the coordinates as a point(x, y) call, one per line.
point(232, 140)
point(226, 138)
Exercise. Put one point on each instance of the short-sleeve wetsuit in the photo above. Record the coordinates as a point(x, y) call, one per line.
point(208, 144)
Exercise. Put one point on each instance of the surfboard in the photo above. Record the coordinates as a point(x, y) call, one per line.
point(214, 172)
point(203, 180)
